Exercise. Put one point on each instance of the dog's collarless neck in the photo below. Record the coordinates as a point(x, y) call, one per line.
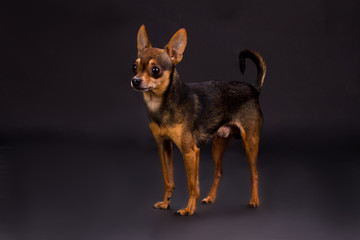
point(169, 102)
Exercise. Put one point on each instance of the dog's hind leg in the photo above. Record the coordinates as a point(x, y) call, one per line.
point(218, 148)
point(250, 138)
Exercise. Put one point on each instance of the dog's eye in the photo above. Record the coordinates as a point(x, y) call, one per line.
point(134, 67)
point(155, 70)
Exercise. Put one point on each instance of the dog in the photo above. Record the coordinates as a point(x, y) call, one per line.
point(189, 115)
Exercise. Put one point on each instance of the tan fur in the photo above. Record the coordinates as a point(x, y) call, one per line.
point(183, 140)
point(176, 45)
point(250, 140)
point(218, 149)
point(142, 39)
point(153, 98)
point(152, 101)
point(263, 66)
point(161, 84)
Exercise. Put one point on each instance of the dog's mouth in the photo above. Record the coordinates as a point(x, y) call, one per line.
point(141, 89)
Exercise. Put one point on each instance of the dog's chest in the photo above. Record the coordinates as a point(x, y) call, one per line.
point(152, 102)
point(174, 132)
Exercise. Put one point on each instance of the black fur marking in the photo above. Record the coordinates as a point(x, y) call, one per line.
point(260, 65)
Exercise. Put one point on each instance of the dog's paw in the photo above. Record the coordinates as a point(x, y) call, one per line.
point(162, 205)
point(185, 212)
point(254, 203)
point(208, 200)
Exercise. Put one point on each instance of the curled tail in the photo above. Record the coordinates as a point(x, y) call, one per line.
point(260, 65)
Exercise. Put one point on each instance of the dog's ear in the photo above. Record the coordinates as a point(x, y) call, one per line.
point(176, 46)
point(142, 39)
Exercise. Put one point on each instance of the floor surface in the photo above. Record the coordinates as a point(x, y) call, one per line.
point(85, 188)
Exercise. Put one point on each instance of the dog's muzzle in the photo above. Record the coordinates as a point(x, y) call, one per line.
point(138, 85)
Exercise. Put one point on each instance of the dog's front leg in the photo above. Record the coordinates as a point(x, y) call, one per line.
point(165, 154)
point(191, 158)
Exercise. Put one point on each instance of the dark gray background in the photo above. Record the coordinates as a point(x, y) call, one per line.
point(77, 157)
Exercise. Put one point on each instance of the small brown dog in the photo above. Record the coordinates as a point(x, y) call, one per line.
point(191, 114)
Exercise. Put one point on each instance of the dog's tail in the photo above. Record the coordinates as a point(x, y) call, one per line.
point(260, 65)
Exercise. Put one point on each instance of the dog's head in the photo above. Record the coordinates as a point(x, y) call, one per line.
point(153, 66)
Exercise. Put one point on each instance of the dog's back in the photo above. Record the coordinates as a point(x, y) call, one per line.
point(213, 104)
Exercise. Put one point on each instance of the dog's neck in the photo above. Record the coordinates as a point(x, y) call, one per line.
point(153, 102)
point(161, 106)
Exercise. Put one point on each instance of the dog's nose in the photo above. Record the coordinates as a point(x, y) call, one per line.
point(136, 82)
